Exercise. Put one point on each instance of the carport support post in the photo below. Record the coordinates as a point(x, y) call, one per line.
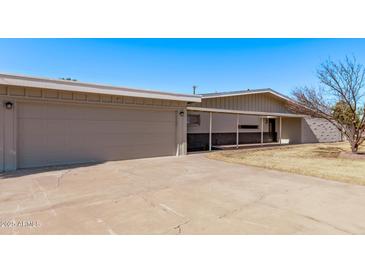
point(262, 130)
point(210, 131)
point(237, 129)
point(280, 121)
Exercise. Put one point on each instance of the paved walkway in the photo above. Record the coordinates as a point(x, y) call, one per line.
point(170, 195)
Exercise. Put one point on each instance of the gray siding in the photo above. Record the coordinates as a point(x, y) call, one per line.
point(251, 102)
point(291, 130)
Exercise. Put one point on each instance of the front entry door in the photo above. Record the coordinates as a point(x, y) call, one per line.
point(272, 130)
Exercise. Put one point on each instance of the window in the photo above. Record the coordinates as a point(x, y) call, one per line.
point(193, 119)
point(248, 126)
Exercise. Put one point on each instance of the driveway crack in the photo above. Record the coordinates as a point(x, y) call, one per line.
point(108, 228)
point(63, 174)
point(179, 226)
point(45, 196)
point(325, 223)
point(312, 219)
point(235, 210)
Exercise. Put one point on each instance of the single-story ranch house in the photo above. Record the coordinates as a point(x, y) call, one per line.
point(252, 117)
point(45, 122)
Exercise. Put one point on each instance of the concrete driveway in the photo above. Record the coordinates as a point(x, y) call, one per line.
point(170, 195)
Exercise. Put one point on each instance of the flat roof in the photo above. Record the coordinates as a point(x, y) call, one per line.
point(69, 85)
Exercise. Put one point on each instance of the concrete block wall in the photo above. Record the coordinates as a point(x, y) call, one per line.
point(317, 130)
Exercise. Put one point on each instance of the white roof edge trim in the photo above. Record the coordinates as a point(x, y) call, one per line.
point(65, 85)
point(257, 113)
point(247, 93)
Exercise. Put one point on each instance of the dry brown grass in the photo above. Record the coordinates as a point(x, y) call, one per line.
point(319, 160)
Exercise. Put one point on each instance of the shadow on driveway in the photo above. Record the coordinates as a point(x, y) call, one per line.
point(38, 170)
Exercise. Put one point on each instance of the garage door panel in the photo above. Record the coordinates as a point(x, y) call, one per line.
point(39, 126)
point(80, 112)
point(56, 127)
point(31, 111)
point(34, 126)
point(38, 146)
point(26, 160)
point(52, 134)
point(86, 154)
point(146, 127)
point(104, 141)
point(79, 127)
point(31, 143)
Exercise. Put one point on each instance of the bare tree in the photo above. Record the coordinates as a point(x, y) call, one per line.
point(339, 98)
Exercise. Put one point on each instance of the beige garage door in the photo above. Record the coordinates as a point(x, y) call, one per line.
point(52, 134)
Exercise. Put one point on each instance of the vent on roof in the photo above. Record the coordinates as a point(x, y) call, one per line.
point(68, 79)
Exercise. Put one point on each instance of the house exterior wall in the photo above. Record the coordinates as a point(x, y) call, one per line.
point(317, 130)
point(225, 123)
point(224, 126)
point(23, 96)
point(249, 102)
point(292, 130)
point(224, 130)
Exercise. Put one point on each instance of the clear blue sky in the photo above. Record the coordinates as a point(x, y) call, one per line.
point(177, 64)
